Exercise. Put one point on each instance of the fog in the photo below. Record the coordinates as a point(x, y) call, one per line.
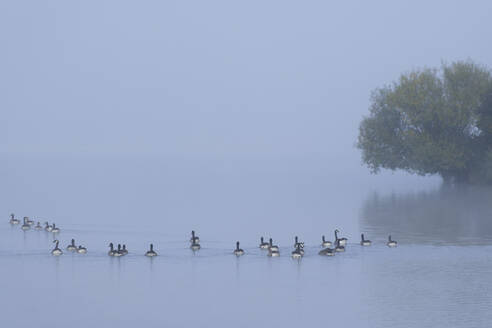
point(134, 123)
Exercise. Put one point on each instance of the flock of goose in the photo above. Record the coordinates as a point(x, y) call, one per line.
point(273, 250)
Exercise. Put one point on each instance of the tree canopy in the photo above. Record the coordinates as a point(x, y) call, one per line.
point(432, 121)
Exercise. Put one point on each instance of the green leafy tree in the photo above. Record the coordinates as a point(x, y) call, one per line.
point(431, 121)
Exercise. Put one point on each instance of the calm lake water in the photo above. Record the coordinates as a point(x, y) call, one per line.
point(438, 276)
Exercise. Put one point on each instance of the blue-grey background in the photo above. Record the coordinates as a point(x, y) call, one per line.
point(135, 122)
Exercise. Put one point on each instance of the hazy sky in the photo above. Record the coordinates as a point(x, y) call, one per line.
point(215, 78)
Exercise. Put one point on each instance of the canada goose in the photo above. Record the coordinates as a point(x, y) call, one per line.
point(195, 245)
point(340, 241)
point(339, 248)
point(111, 250)
point(48, 227)
point(30, 222)
point(271, 246)
point(151, 252)
point(364, 242)
point(13, 220)
point(81, 249)
point(391, 243)
point(54, 229)
point(118, 252)
point(238, 251)
point(324, 242)
point(297, 254)
point(72, 247)
point(327, 252)
point(273, 253)
point(56, 251)
point(26, 225)
point(194, 239)
point(299, 245)
point(264, 244)
point(38, 226)
point(123, 250)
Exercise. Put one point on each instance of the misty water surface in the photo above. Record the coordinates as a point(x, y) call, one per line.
point(438, 276)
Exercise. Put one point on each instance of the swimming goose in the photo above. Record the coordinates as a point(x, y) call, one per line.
point(48, 227)
point(111, 250)
point(81, 249)
point(264, 244)
point(340, 241)
point(38, 226)
point(123, 250)
point(195, 245)
point(30, 222)
point(271, 246)
point(54, 229)
point(297, 254)
point(118, 252)
point(26, 225)
point(339, 248)
point(299, 245)
point(324, 242)
point(238, 251)
point(194, 239)
point(391, 243)
point(56, 251)
point(151, 252)
point(273, 253)
point(13, 220)
point(364, 242)
point(327, 252)
point(72, 247)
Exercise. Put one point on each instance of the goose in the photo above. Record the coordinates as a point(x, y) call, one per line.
point(273, 253)
point(299, 245)
point(195, 245)
point(151, 252)
point(56, 251)
point(324, 242)
point(364, 242)
point(339, 248)
point(123, 250)
point(297, 254)
point(194, 239)
point(118, 252)
point(54, 229)
point(13, 220)
point(81, 249)
point(26, 225)
point(111, 250)
point(391, 243)
point(48, 227)
point(264, 244)
point(30, 222)
point(327, 252)
point(340, 241)
point(38, 226)
point(72, 247)
point(271, 246)
point(238, 251)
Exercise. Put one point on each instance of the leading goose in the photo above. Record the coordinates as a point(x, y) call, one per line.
point(13, 220)
point(364, 242)
point(391, 243)
point(151, 252)
point(81, 249)
point(56, 251)
point(124, 251)
point(111, 250)
point(238, 251)
point(194, 238)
